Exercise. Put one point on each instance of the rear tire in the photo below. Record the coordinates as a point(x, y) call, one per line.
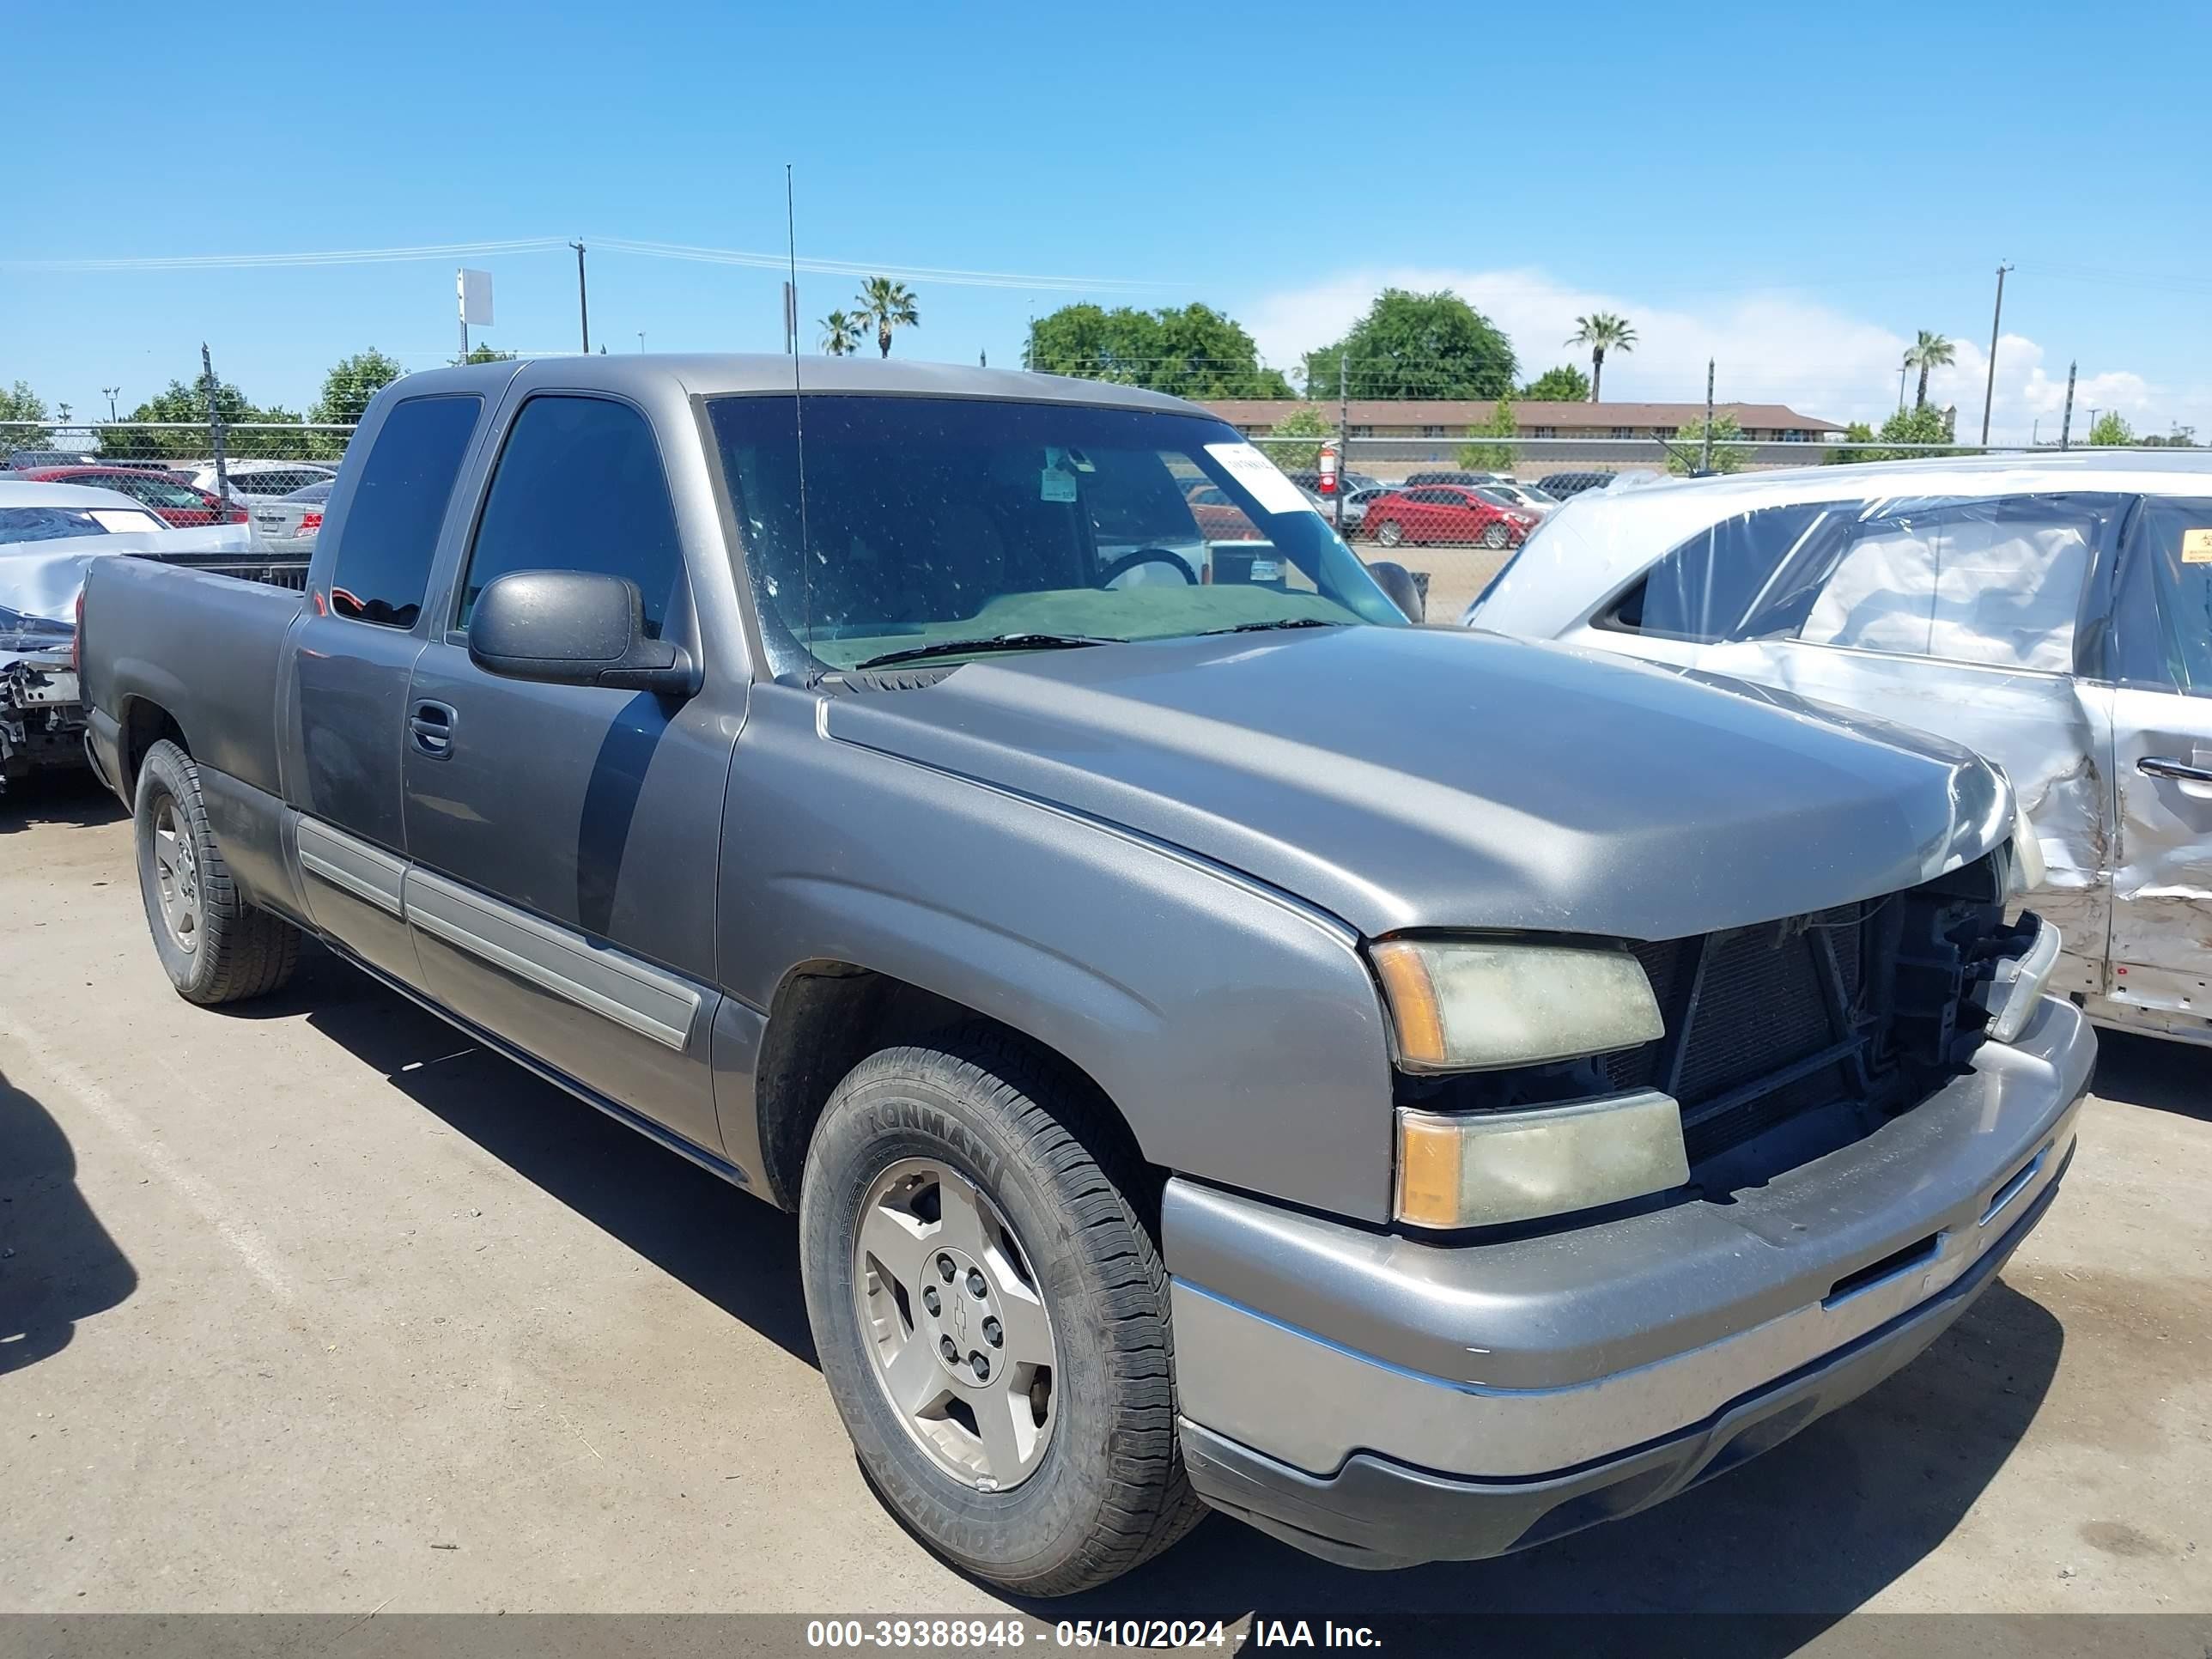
point(1495, 535)
point(214, 945)
point(1096, 1485)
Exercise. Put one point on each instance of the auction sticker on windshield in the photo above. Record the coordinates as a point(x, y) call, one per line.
point(1274, 492)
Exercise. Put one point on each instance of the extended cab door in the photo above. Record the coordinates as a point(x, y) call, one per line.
point(353, 652)
point(2163, 762)
point(565, 838)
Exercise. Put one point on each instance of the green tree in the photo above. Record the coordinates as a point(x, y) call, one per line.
point(841, 334)
point(888, 304)
point(1929, 352)
point(1417, 345)
point(1921, 425)
point(352, 382)
point(2110, 431)
point(1686, 454)
point(1194, 352)
point(19, 402)
point(1564, 384)
point(1493, 457)
point(1306, 421)
point(1858, 431)
point(484, 354)
point(1601, 331)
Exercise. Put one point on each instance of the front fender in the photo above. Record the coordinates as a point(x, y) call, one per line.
point(1237, 1029)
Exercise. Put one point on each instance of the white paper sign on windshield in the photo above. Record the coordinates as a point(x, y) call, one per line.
point(1274, 492)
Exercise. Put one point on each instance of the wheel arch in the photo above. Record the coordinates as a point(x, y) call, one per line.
point(143, 722)
point(827, 1015)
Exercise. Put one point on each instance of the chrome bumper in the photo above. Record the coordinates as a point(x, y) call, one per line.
point(1308, 1343)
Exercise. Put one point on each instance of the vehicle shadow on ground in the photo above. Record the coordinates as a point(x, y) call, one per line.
point(57, 1264)
point(1812, 1528)
point(739, 1253)
point(2143, 1071)
point(72, 798)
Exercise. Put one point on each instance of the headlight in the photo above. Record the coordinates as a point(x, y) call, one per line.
point(1484, 1169)
point(1465, 1005)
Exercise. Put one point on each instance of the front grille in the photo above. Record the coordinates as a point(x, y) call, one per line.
point(1763, 1024)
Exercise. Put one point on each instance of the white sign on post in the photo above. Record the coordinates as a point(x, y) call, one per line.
point(475, 289)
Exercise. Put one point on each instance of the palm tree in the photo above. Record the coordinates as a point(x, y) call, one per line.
point(841, 333)
point(1601, 331)
point(1929, 352)
point(888, 304)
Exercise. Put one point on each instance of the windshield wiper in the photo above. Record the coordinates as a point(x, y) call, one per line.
point(1280, 621)
point(994, 643)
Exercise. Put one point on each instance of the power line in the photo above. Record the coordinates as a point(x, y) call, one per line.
point(952, 277)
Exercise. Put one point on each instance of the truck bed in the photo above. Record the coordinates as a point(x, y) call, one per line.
point(202, 643)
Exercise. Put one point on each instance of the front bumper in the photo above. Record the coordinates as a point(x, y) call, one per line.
point(1384, 1401)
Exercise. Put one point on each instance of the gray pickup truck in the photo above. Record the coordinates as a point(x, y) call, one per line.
point(1419, 1091)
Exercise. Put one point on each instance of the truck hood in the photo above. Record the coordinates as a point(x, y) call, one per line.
point(1402, 778)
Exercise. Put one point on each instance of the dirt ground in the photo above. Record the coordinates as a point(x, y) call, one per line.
point(1457, 575)
point(314, 1306)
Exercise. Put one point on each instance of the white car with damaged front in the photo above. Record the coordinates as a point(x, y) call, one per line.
point(2053, 612)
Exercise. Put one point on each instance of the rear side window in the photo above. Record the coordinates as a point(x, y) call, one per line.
point(580, 487)
point(391, 529)
point(1724, 583)
point(1998, 582)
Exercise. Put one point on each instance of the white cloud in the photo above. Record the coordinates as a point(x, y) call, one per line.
point(1767, 348)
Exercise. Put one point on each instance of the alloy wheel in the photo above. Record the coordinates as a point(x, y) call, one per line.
point(954, 1324)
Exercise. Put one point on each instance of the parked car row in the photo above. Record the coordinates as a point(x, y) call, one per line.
point(55, 523)
point(1418, 1090)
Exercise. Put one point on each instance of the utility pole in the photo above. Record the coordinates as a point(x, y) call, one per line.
point(214, 428)
point(1990, 391)
point(1706, 464)
point(2066, 425)
point(583, 304)
point(1343, 428)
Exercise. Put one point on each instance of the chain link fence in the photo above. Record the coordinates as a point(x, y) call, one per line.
point(273, 477)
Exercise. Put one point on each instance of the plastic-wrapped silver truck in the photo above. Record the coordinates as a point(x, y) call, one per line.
point(1421, 1092)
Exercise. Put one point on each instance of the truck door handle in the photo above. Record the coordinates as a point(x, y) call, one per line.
point(431, 726)
point(2165, 766)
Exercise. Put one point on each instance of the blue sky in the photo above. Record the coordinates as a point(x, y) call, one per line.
point(1792, 190)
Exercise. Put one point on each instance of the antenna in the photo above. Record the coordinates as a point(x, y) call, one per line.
point(798, 435)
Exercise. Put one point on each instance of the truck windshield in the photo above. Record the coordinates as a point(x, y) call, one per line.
point(931, 521)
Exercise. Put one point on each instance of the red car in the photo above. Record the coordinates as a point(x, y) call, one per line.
point(176, 503)
point(1446, 512)
point(1219, 519)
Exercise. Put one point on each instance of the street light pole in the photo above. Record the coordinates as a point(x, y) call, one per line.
point(110, 391)
point(1990, 391)
point(1901, 369)
point(583, 304)
point(641, 339)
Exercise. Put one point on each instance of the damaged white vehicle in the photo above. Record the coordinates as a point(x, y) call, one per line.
point(2054, 613)
point(49, 532)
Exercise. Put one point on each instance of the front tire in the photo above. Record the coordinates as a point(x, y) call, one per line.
point(214, 945)
point(1019, 1413)
point(1389, 534)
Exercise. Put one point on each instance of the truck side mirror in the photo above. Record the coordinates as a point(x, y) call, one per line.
point(1397, 581)
point(574, 627)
